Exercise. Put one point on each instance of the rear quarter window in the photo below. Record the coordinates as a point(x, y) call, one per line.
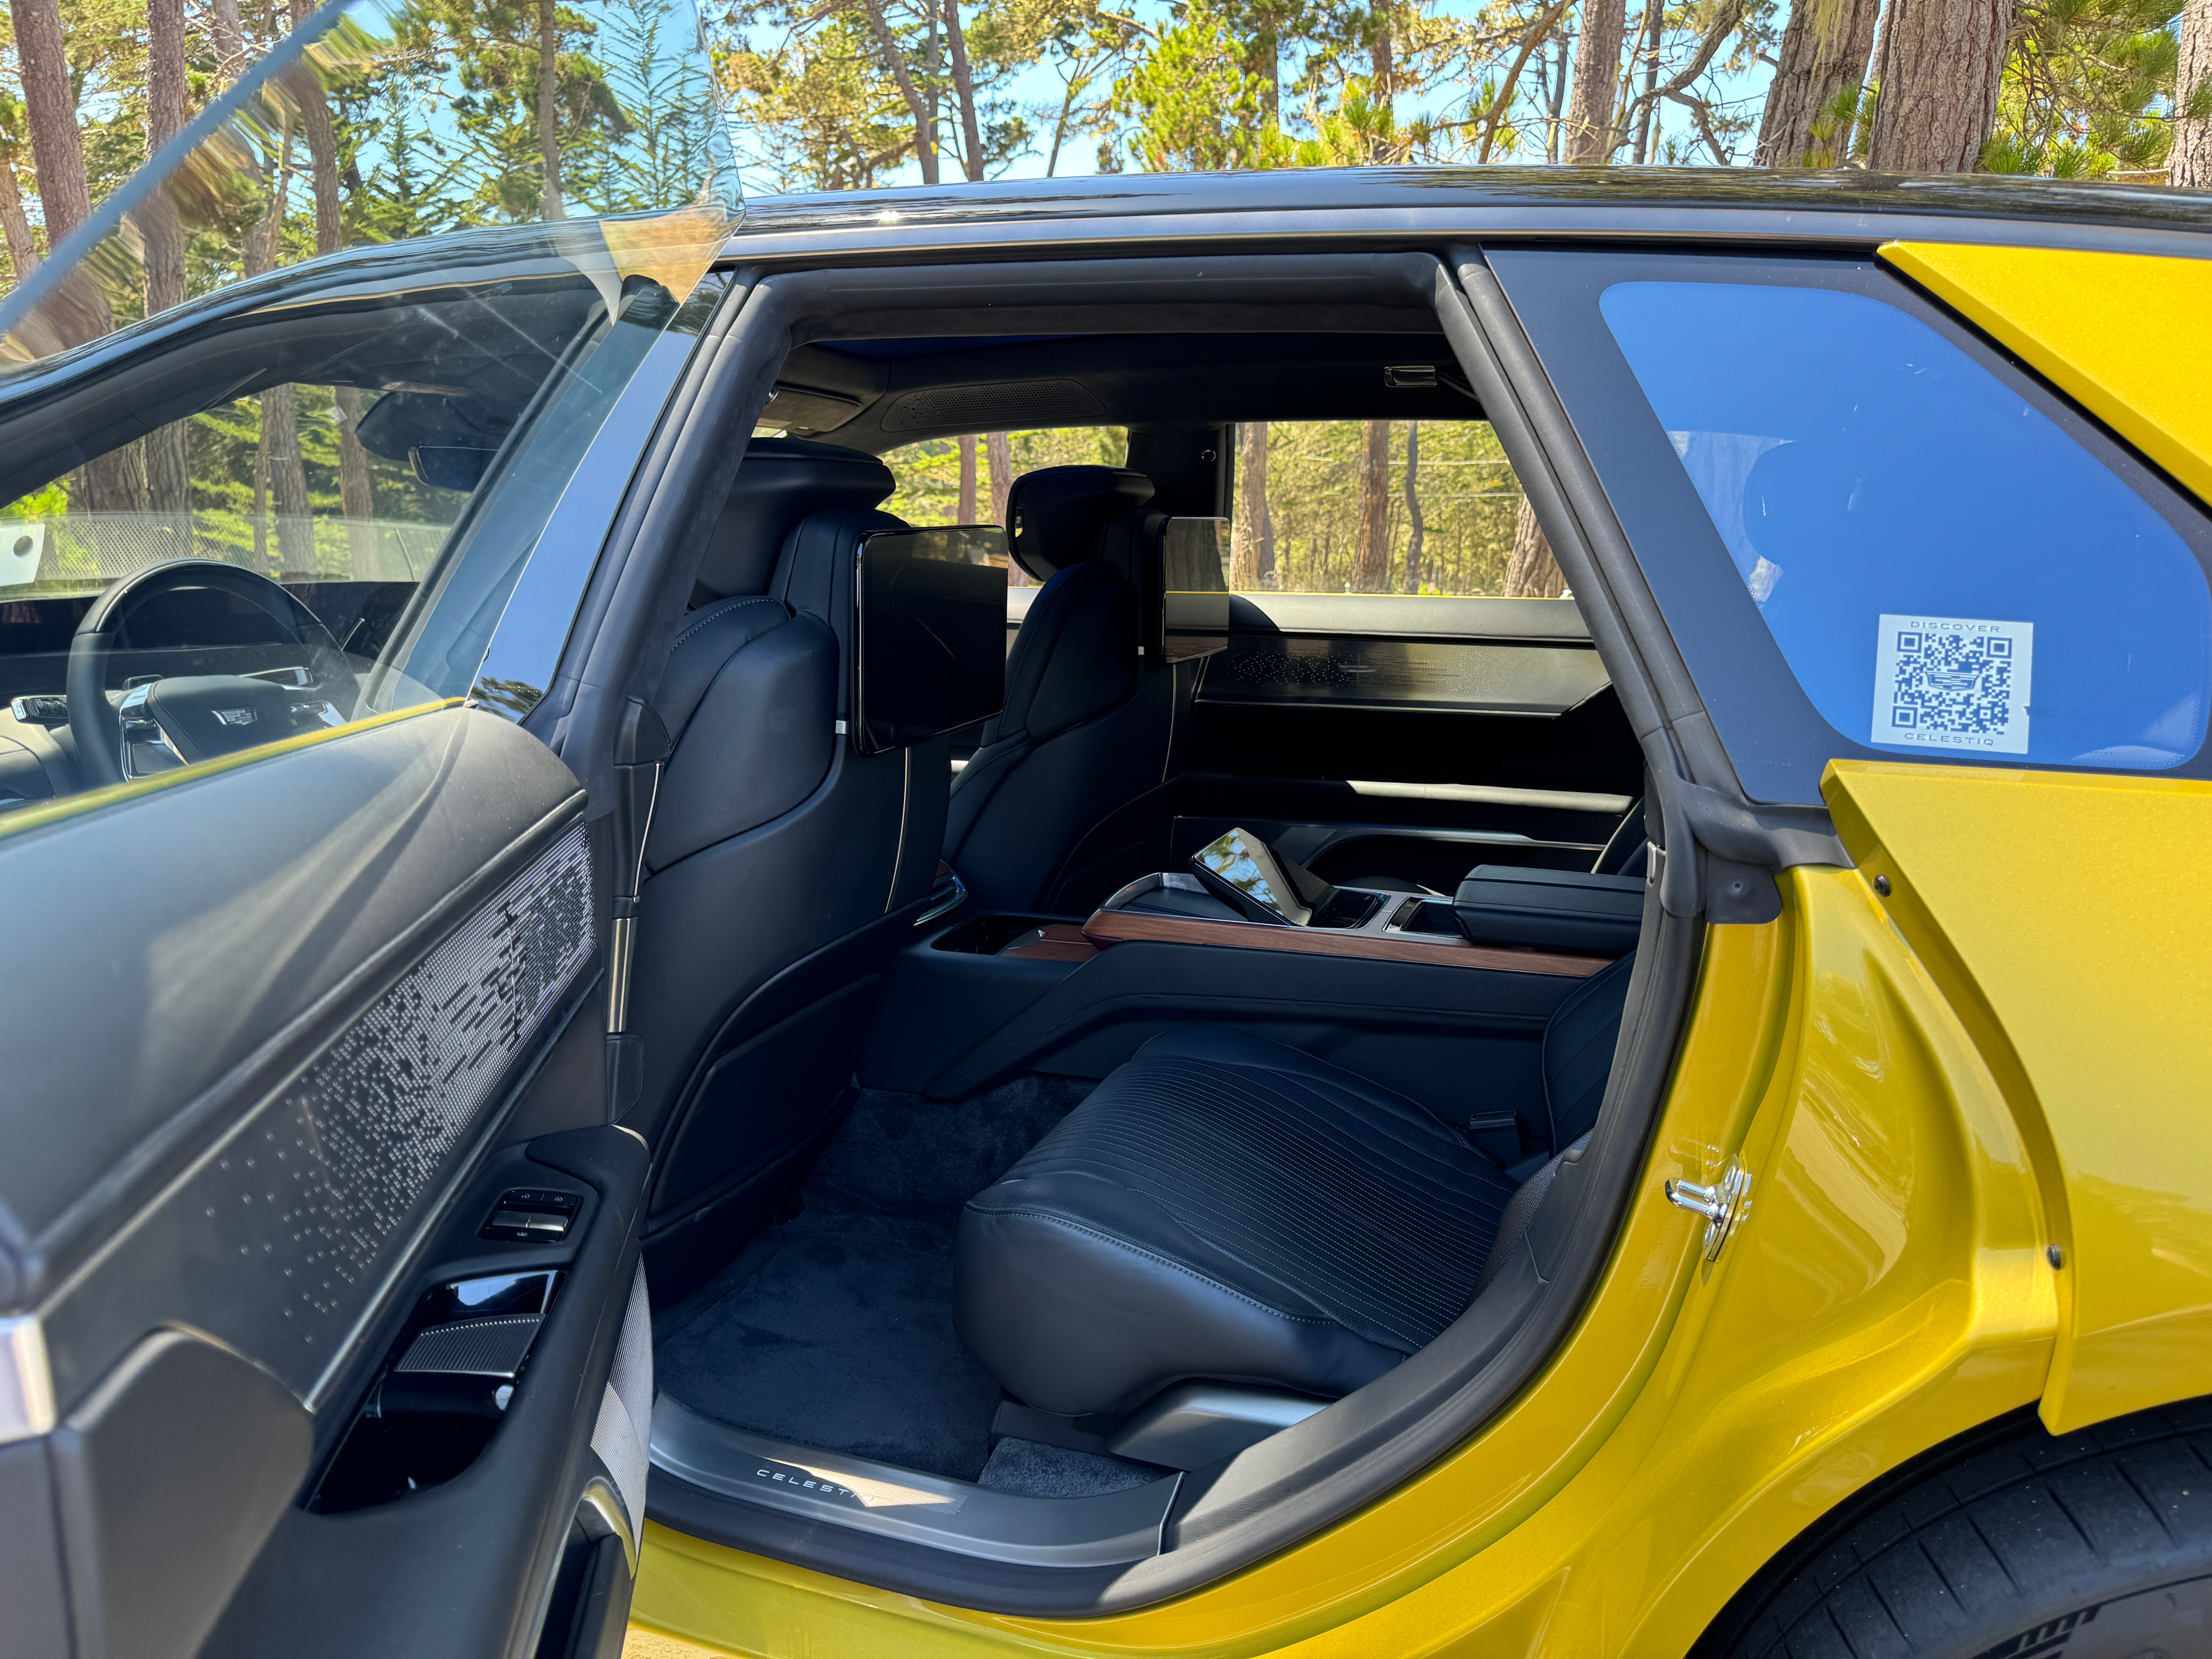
point(1945, 570)
point(1903, 546)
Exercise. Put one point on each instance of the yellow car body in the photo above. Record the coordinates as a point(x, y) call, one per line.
point(1969, 1079)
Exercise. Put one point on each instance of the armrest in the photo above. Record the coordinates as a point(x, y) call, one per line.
point(1564, 909)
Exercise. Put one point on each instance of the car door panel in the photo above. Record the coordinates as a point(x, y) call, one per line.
point(2082, 991)
point(270, 1023)
point(2090, 997)
point(466, 1567)
point(167, 1478)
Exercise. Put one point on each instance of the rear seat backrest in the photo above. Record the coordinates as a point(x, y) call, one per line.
point(783, 865)
point(1087, 720)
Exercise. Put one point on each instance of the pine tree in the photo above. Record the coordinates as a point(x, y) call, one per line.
point(168, 483)
point(2189, 163)
point(1941, 68)
point(1824, 56)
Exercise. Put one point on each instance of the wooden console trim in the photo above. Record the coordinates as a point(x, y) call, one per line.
point(1057, 941)
point(1115, 927)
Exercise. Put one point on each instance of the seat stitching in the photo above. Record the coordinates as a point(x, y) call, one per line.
point(714, 613)
point(1164, 1262)
point(1430, 1251)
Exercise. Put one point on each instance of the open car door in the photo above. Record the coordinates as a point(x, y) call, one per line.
point(322, 1326)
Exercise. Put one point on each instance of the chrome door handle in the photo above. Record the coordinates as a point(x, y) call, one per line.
point(1724, 1204)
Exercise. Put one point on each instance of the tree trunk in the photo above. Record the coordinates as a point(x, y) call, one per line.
point(1942, 62)
point(551, 205)
point(925, 127)
point(1814, 66)
point(2189, 163)
point(165, 119)
point(1371, 566)
point(1532, 573)
point(229, 40)
point(1555, 126)
point(1247, 531)
point(356, 489)
point(22, 248)
point(964, 91)
point(1597, 71)
point(1415, 529)
point(279, 462)
point(1386, 80)
point(79, 313)
point(1654, 15)
point(1501, 100)
point(49, 105)
point(287, 481)
point(169, 481)
point(967, 512)
point(998, 450)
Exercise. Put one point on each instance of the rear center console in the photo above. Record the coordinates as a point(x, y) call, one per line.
point(1396, 984)
point(1239, 891)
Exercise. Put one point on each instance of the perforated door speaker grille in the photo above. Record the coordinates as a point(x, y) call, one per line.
point(309, 1203)
point(472, 1347)
point(1009, 403)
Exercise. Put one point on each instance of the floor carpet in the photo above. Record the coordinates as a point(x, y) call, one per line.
point(834, 1329)
point(1040, 1471)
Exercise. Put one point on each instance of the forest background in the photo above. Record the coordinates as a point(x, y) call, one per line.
point(847, 95)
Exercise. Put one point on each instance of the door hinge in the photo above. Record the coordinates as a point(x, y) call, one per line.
point(1724, 1204)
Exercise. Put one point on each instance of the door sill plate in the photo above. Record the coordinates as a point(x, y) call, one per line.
point(1107, 1530)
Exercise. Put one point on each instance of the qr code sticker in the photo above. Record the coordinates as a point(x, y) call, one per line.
point(1953, 682)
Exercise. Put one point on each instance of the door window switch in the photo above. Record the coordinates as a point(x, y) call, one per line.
point(532, 1216)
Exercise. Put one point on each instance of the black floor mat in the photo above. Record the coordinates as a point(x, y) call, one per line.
point(834, 1329)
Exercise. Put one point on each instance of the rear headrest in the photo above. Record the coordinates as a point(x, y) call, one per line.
point(1062, 515)
point(781, 481)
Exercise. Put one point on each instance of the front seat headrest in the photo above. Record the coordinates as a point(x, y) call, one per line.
point(779, 482)
point(1060, 515)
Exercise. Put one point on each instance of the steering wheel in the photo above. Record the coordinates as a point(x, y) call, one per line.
point(199, 716)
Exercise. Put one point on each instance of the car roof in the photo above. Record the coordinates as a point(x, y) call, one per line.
point(1849, 206)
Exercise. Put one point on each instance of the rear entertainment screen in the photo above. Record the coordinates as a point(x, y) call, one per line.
point(933, 634)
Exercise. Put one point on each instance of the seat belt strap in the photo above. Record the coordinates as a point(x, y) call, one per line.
point(641, 752)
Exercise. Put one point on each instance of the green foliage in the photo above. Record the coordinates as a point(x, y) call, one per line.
point(818, 104)
point(1191, 104)
point(1470, 503)
point(821, 112)
point(2085, 89)
point(1470, 500)
point(928, 473)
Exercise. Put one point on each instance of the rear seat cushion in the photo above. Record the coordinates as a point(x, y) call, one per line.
point(1224, 1207)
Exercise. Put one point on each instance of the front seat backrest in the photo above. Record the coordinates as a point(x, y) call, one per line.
point(783, 868)
point(1087, 720)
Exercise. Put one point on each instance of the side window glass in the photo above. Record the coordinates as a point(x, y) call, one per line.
point(1323, 506)
point(1373, 507)
point(1945, 570)
point(281, 556)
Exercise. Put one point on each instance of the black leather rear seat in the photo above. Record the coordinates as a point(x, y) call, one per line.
point(1223, 1206)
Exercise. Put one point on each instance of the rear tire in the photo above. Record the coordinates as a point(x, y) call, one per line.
point(2096, 1545)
